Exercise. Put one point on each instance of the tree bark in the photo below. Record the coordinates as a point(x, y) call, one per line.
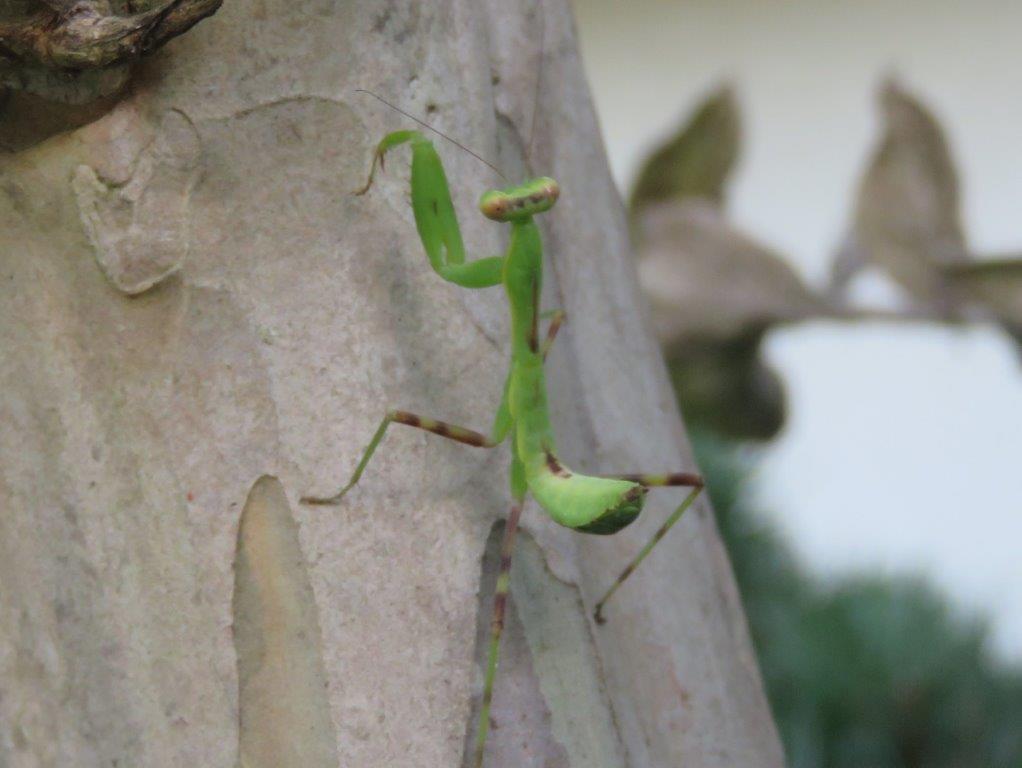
point(192, 304)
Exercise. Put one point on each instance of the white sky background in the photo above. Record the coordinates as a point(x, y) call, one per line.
point(903, 448)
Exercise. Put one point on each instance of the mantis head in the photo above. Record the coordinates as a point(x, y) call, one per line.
point(517, 203)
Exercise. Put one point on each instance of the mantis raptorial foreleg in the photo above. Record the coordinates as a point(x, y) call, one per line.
point(435, 217)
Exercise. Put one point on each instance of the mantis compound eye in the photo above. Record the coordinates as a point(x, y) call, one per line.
point(535, 196)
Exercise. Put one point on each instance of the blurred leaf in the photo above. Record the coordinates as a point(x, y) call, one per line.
point(714, 293)
point(906, 219)
point(697, 160)
point(907, 223)
point(707, 280)
point(994, 283)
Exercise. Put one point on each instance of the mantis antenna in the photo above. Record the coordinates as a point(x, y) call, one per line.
point(539, 81)
point(439, 133)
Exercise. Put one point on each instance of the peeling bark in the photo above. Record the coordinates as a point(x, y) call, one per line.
point(133, 427)
point(283, 709)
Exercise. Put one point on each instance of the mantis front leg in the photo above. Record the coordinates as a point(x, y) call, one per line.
point(434, 214)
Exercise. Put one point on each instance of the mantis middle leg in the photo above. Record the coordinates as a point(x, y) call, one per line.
point(557, 317)
point(442, 428)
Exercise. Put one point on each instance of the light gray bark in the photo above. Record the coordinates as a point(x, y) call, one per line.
point(190, 300)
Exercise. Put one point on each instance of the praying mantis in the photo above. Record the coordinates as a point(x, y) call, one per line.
point(599, 505)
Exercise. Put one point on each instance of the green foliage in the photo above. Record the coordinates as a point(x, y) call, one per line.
point(868, 672)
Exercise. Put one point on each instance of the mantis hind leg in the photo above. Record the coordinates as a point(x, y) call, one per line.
point(500, 594)
point(557, 317)
point(683, 479)
point(442, 428)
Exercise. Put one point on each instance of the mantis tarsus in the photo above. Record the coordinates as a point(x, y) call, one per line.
point(597, 505)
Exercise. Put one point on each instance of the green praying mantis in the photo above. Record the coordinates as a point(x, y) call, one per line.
point(589, 504)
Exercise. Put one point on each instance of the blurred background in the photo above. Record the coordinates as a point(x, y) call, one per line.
point(824, 201)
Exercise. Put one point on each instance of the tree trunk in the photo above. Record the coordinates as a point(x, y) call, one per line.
point(199, 324)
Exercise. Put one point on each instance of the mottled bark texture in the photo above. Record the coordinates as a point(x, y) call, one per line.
point(81, 50)
point(191, 304)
